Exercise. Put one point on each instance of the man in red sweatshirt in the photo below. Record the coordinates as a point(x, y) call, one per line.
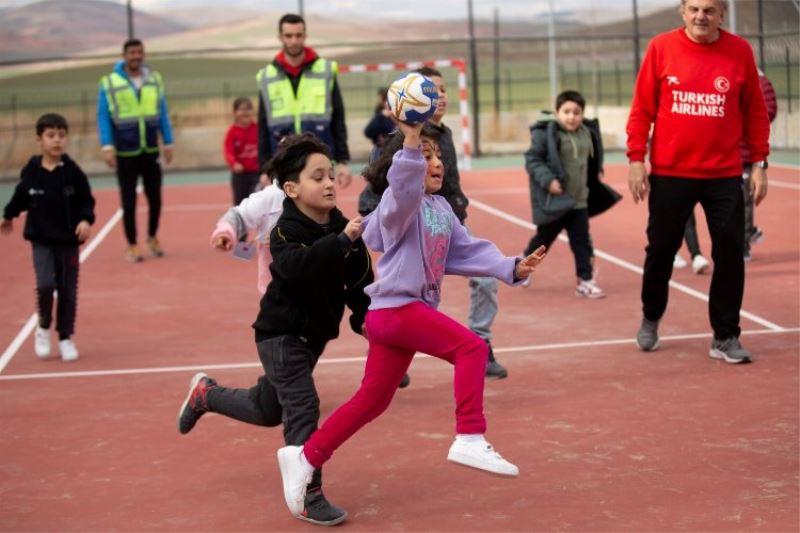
point(699, 89)
point(299, 93)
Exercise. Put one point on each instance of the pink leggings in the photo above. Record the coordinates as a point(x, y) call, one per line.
point(395, 335)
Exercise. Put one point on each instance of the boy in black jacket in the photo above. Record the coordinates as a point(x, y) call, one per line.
point(319, 265)
point(565, 164)
point(56, 194)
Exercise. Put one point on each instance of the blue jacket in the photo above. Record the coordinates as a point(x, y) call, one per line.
point(105, 127)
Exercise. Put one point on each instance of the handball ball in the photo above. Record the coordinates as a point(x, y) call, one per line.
point(412, 98)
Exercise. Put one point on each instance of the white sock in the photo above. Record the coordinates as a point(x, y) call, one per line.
point(469, 438)
point(308, 467)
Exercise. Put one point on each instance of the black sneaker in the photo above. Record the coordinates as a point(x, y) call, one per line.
point(320, 511)
point(494, 370)
point(195, 405)
point(404, 382)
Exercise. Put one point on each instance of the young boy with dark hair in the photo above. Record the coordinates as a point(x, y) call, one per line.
point(319, 265)
point(56, 194)
point(482, 290)
point(565, 164)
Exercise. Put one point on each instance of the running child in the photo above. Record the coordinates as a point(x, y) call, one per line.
point(56, 194)
point(421, 240)
point(565, 164)
point(319, 265)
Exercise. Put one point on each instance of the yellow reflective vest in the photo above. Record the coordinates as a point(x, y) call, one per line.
point(307, 110)
point(135, 117)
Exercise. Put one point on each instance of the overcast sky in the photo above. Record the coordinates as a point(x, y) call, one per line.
point(408, 9)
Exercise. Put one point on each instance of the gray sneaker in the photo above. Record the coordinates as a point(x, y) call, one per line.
point(729, 350)
point(647, 336)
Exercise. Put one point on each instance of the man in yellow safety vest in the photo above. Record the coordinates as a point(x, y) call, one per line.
point(298, 92)
point(131, 112)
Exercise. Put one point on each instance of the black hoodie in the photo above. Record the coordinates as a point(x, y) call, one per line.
point(316, 270)
point(56, 201)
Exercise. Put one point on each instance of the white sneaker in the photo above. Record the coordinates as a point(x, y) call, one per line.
point(700, 264)
point(679, 262)
point(295, 477)
point(480, 454)
point(588, 289)
point(41, 342)
point(68, 350)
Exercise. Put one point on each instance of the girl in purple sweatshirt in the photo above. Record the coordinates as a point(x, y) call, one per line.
point(421, 240)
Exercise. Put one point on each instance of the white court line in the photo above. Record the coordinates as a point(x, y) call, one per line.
point(29, 326)
point(361, 359)
point(621, 263)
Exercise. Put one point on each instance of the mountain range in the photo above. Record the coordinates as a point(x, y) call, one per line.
point(57, 28)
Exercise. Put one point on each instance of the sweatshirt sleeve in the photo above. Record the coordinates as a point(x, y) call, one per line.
point(300, 263)
point(471, 257)
point(264, 149)
point(104, 127)
point(754, 108)
point(164, 124)
point(643, 107)
point(84, 193)
point(359, 260)
point(769, 97)
point(227, 148)
point(19, 201)
point(341, 154)
point(401, 200)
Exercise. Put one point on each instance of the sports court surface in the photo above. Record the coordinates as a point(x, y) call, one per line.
point(607, 438)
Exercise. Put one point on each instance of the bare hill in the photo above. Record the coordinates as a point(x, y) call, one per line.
point(58, 28)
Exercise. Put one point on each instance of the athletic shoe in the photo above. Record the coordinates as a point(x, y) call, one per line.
point(527, 282)
point(68, 350)
point(747, 256)
point(133, 255)
point(494, 370)
point(195, 405)
point(404, 382)
point(647, 337)
point(319, 511)
point(155, 247)
point(679, 262)
point(295, 478)
point(729, 350)
point(588, 289)
point(757, 236)
point(41, 343)
point(480, 454)
point(700, 264)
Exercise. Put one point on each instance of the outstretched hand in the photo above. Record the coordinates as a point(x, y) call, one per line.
point(353, 229)
point(526, 267)
point(411, 132)
point(222, 242)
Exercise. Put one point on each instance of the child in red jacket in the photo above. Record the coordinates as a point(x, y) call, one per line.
point(241, 150)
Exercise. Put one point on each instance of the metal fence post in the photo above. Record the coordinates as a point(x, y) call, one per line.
point(788, 81)
point(618, 79)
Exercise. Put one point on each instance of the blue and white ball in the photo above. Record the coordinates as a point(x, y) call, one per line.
point(413, 98)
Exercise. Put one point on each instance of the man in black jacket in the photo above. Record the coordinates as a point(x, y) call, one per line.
point(56, 194)
point(319, 265)
point(299, 92)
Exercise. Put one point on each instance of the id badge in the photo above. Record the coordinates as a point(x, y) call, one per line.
point(244, 251)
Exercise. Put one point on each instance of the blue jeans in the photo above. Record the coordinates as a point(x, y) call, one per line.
point(482, 306)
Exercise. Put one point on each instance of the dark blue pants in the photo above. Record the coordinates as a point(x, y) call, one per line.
point(56, 268)
point(576, 222)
